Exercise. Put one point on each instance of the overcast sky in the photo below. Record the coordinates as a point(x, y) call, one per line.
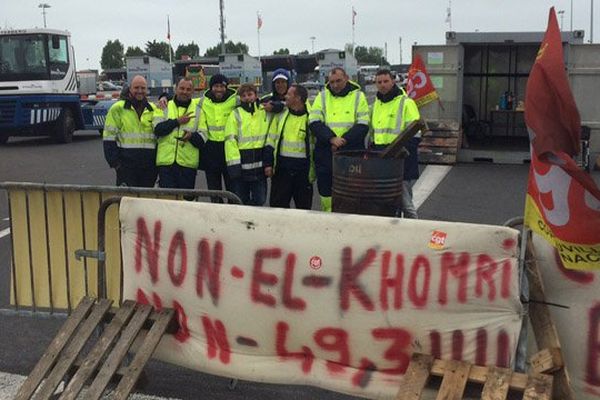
point(288, 24)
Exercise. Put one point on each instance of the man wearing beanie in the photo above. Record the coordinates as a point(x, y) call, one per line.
point(212, 111)
point(274, 102)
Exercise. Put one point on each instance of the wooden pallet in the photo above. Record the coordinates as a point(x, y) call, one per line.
point(64, 357)
point(440, 143)
point(457, 374)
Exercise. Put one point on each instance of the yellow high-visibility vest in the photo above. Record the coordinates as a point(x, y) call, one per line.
point(171, 150)
point(213, 117)
point(389, 119)
point(340, 113)
point(129, 131)
point(246, 134)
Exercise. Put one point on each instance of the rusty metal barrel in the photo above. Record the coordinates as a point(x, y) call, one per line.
point(364, 183)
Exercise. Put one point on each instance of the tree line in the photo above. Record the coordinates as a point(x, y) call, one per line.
point(114, 52)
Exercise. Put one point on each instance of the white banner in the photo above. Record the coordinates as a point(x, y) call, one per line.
point(576, 314)
point(332, 300)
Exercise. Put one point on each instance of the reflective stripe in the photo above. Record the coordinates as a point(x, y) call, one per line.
point(253, 165)
point(362, 122)
point(238, 118)
point(233, 162)
point(356, 101)
point(230, 137)
point(323, 105)
point(109, 139)
point(292, 154)
point(311, 120)
point(136, 145)
point(385, 131)
point(317, 112)
point(133, 135)
point(293, 145)
point(202, 135)
point(111, 129)
point(216, 128)
point(400, 112)
point(362, 114)
point(341, 124)
point(198, 111)
point(250, 139)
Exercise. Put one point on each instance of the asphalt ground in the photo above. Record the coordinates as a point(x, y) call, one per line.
point(478, 193)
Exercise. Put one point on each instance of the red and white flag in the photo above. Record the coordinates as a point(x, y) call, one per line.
point(563, 202)
point(258, 21)
point(419, 86)
point(168, 28)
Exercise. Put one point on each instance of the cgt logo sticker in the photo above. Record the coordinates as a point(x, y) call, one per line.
point(315, 262)
point(438, 240)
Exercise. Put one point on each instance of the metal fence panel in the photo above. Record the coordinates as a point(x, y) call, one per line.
point(50, 222)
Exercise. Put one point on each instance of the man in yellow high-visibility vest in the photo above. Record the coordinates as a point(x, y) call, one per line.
point(288, 156)
point(176, 159)
point(128, 137)
point(245, 136)
point(339, 119)
point(392, 111)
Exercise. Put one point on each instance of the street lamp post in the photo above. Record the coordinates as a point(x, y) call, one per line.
point(44, 6)
point(312, 41)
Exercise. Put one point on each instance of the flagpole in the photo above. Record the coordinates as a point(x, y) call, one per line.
point(353, 32)
point(450, 14)
point(258, 25)
point(169, 38)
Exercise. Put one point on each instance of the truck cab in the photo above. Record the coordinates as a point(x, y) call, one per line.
point(38, 85)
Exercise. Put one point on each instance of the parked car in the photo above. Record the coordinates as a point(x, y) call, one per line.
point(107, 86)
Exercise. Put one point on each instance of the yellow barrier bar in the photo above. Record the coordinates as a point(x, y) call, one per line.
point(39, 248)
point(58, 258)
point(90, 206)
point(74, 242)
point(20, 244)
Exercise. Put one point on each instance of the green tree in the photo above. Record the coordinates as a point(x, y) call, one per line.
point(230, 47)
point(112, 55)
point(370, 55)
point(282, 52)
point(304, 53)
point(133, 51)
point(159, 50)
point(191, 49)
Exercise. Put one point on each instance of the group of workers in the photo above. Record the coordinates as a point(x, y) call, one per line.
point(241, 140)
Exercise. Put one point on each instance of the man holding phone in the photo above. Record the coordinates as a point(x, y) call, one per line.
point(176, 159)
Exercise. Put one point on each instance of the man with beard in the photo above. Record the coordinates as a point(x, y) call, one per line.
point(176, 159)
point(212, 113)
point(392, 111)
point(339, 119)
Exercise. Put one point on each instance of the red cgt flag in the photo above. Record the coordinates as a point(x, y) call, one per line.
point(563, 202)
point(419, 85)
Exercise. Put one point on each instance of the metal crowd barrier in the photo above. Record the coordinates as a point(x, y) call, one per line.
point(51, 223)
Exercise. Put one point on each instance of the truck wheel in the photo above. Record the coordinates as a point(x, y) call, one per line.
point(65, 127)
point(3, 138)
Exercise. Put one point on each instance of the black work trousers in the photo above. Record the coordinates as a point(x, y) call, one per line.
point(289, 184)
point(214, 182)
point(136, 176)
point(176, 177)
